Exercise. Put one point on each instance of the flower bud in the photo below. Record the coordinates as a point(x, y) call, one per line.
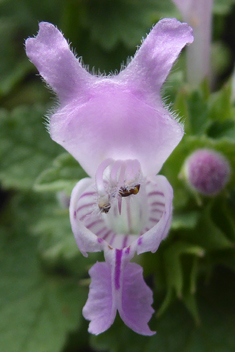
point(207, 171)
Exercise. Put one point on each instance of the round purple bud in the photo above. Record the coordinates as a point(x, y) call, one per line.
point(207, 171)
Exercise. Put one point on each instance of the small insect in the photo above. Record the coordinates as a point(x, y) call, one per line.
point(104, 206)
point(125, 192)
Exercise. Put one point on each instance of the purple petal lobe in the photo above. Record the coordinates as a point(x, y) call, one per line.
point(118, 268)
point(153, 61)
point(137, 298)
point(162, 212)
point(85, 237)
point(100, 308)
point(56, 63)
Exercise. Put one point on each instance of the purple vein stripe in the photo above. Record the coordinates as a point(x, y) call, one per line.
point(84, 206)
point(101, 230)
point(156, 211)
point(158, 203)
point(107, 234)
point(112, 239)
point(124, 244)
point(154, 220)
point(140, 240)
point(94, 223)
point(118, 268)
point(85, 215)
point(155, 193)
point(86, 194)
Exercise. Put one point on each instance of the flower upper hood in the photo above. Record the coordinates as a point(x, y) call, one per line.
point(96, 113)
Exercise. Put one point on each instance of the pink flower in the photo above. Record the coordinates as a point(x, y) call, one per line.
point(120, 132)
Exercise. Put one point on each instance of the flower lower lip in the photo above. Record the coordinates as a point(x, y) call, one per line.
point(141, 211)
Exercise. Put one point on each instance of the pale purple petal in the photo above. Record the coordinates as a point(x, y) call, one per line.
point(56, 63)
point(137, 298)
point(151, 239)
point(99, 308)
point(153, 61)
point(116, 124)
point(85, 238)
point(119, 117)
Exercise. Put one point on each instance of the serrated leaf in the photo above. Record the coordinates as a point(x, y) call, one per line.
point(173, 266)
point(181, 275)
point(127, 20)
point(26, 148)
point(48, 220)
point(62, 176)
point(38, 310)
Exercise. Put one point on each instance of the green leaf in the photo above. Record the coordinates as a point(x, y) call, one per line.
point(181, 271)
point(14, 64)
point(207, 234)
point(222, 7)
point(187, 220)
point(122, 20)
point(220, 52)
point(223, 217)
point(198, 113)
point(62, 176)
point(171, 93)
point(48, 220)
point(221, 129)
point(16, 74)
point(181, 106)
point(56, 239)
point(173, 266)
point(220, 106)
point(26, 148)
point(225, 258)
point(38, 310)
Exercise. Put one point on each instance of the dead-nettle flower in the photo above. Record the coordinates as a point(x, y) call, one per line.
point(207, 171)
point(198, 14)
point(121, 134)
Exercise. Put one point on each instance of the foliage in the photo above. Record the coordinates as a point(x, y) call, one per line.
point(43, 277)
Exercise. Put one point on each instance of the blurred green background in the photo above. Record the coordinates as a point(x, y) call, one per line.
point(43, 277)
